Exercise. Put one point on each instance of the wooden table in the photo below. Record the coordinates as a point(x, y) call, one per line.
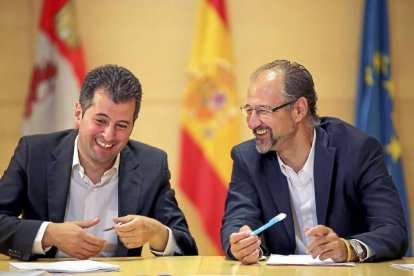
point(218, 265)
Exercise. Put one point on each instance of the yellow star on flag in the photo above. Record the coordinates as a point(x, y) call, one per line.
point(394, 148)
point(389, 86)
point(369, 79)
point(376, 61)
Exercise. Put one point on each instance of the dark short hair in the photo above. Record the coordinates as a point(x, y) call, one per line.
point(116, 81)
point(298, 82)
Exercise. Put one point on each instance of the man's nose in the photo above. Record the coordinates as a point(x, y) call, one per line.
point(109, 133)
point(253, 120)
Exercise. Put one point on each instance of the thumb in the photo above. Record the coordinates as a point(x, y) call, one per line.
point(87, 223)
point(245, 228)
point(123, 219)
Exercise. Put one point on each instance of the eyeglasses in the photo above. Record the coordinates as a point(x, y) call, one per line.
point(262, 111)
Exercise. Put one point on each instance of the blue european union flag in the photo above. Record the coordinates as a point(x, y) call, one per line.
point(374, 113)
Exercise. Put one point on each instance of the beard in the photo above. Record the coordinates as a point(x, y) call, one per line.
point(269, 143)
point(264, 146)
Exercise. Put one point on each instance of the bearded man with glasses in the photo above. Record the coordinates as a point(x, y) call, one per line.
point(328, 177)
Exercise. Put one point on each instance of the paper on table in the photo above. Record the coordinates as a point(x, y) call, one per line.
point(403, 266)
point(67, 266)
point(24, 273)
point(302, 260)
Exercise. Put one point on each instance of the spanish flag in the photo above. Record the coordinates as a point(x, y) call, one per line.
point(58, 71)
point(209, 122)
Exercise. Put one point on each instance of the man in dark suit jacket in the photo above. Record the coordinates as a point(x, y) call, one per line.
point(329, 178)
point(66, 197)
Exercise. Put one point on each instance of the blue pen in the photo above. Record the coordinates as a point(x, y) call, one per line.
point(271, 222)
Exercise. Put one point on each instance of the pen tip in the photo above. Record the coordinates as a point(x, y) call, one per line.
point(281, 216)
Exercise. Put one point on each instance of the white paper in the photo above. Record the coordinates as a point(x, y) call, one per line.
point(302, 260)
point(67, 266)
point(403, 266)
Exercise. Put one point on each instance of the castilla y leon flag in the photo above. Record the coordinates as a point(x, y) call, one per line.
point(57, 73)
point(209, 122)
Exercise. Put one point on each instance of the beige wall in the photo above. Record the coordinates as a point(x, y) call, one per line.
point(153, 39)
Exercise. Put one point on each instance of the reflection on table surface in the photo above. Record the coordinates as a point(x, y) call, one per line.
point(219, 265)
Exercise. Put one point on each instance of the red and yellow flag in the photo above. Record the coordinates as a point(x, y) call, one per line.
point(58, 71)
point(209, 122)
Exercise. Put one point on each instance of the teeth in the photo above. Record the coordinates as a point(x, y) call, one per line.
point(104, 145)
point(261, 131)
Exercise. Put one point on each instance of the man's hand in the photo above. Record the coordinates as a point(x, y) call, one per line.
point(244, 247)
point(326, 244)
point(135, 231)
point(72, 239)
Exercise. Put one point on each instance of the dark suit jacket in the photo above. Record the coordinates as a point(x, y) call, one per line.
point(36, 185)
point(355, 196)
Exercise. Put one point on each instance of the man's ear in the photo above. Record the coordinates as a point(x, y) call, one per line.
point(301, 108)
point(78, 114)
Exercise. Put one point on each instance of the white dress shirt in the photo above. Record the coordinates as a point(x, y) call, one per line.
point(302, 198)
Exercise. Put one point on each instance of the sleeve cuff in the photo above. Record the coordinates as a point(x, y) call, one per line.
point(37, 244)
point(171, 249)
point(262, 257)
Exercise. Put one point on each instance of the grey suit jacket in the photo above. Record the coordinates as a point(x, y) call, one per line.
point(36, 185)
point(354, 194)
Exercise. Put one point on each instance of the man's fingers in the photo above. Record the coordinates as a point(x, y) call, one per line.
point(245, 251)
point(96, 246)
point(320, 249)
point(251, 258)
point(328, 246)
point(317, 242)
point(243, 233)
point(317, 231)
point(87, 223)
point(243, 246)
point(245, 242)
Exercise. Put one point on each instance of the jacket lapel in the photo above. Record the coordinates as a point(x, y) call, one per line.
point(129, 189)
point(277, 186)
point(58, 177)
point(323, 170)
